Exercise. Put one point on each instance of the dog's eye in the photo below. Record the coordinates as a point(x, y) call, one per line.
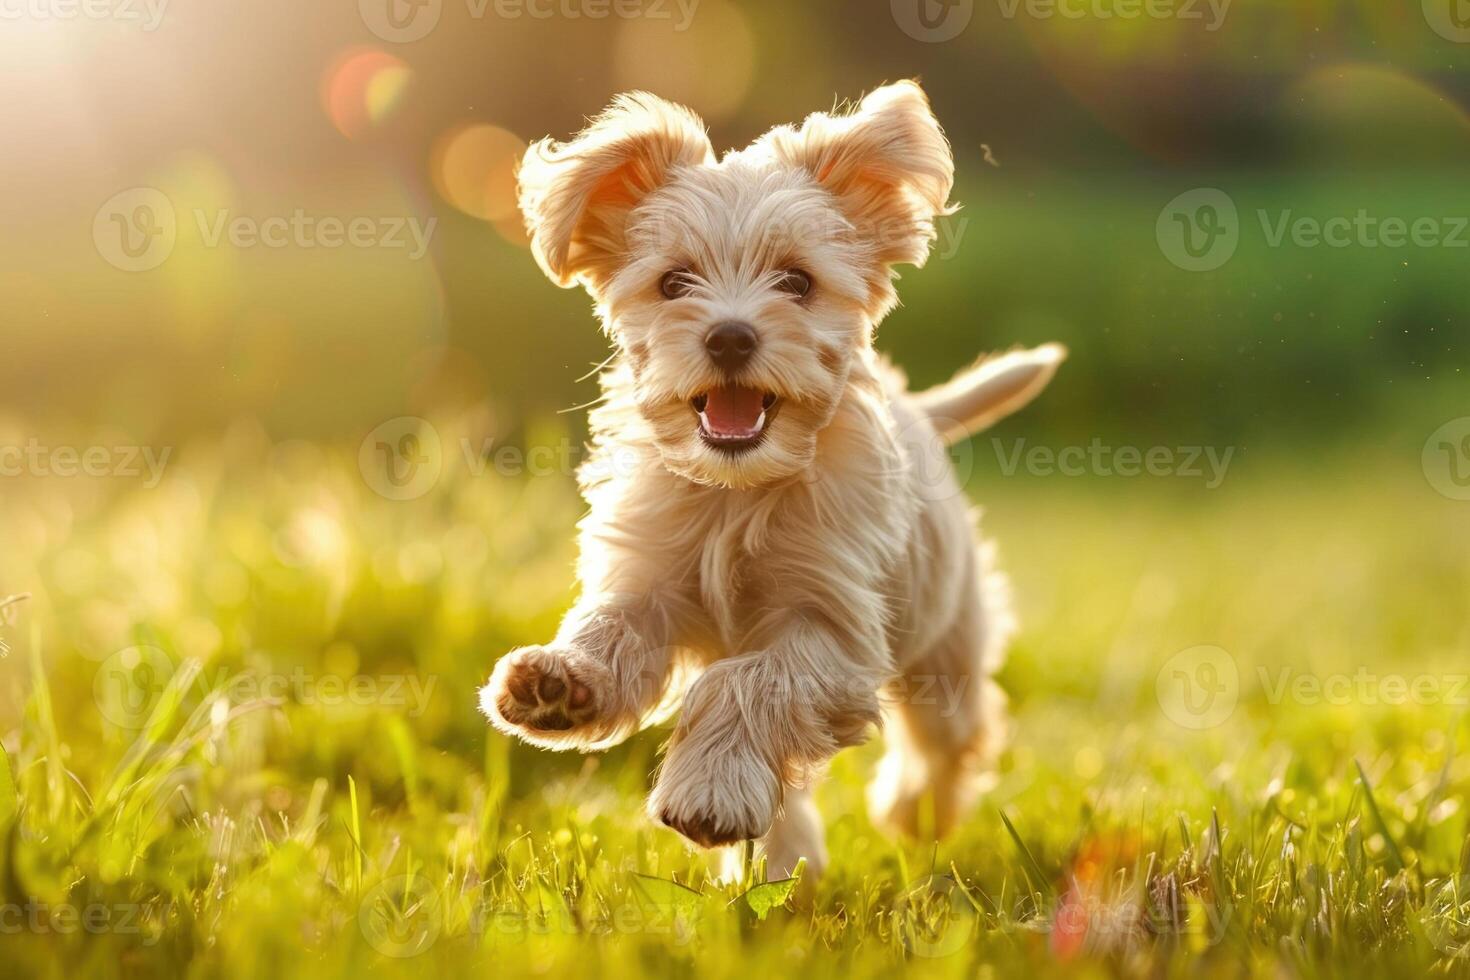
point(676, 284)
point(795, 282)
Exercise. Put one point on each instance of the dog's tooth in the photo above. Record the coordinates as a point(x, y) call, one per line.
point(760, 423)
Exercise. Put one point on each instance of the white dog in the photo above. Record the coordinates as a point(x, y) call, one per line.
point(775, 536)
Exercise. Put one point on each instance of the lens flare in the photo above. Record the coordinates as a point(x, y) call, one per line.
point(474, 166)
point(362, 90)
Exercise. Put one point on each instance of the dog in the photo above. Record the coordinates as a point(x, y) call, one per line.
point(776, 545)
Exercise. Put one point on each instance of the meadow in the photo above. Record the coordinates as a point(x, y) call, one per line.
point(241, 739)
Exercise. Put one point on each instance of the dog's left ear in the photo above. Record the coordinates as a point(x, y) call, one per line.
point(887, 162)
point(576, 196)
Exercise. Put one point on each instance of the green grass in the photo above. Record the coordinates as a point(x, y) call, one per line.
point(230, 825)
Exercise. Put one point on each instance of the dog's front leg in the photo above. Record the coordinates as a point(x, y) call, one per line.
point(754, 724)
point(593, 685)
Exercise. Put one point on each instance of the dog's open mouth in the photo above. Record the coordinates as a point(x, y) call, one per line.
point(733, 417)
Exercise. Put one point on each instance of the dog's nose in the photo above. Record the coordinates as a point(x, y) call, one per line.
point(730, 344)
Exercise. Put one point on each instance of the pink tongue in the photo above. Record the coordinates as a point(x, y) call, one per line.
point(733, 410)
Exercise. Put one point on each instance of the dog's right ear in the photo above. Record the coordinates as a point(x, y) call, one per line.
point(576, 196)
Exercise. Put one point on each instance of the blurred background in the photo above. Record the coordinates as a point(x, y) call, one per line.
point(1074, 126)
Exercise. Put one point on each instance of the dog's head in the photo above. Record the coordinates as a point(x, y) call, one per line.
point(741, 290)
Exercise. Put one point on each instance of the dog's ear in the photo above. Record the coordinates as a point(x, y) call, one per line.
point(576, 196)
point(887, 162)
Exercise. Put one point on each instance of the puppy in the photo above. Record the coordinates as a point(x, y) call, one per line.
point(776, 540)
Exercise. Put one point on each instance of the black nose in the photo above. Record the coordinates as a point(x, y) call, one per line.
point(730, 344)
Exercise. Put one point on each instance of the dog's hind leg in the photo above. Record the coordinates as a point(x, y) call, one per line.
point(945, 718)
point(796, 833)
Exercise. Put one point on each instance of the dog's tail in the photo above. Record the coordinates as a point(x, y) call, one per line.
point(979, 397)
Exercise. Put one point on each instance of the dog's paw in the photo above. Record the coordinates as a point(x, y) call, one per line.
point(715, 799)
point(549, 696)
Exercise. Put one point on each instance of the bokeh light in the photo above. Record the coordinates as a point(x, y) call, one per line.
point(362, 89)
point(473, 168)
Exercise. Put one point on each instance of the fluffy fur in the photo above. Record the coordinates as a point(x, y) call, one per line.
point(787, 598)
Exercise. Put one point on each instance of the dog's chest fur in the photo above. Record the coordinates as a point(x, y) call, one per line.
point(743, 562)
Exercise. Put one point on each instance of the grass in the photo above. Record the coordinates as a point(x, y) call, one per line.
point(218, 762)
